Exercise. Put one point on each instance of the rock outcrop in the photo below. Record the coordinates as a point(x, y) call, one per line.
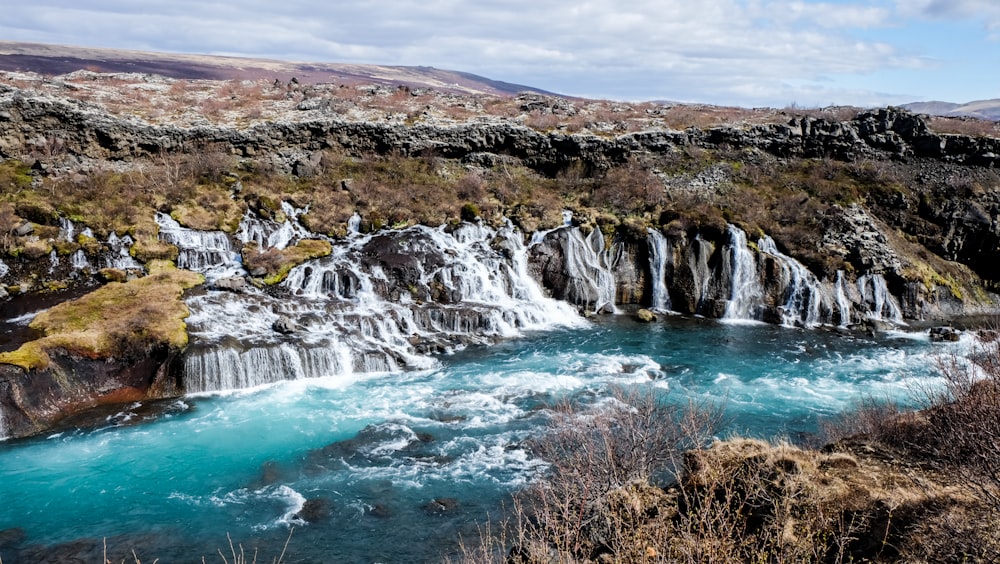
point(35, 401)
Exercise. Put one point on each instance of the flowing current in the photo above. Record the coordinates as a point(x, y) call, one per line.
point(396, 408)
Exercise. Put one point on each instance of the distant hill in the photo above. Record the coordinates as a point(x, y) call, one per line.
point(54, 60)
point(982, 109)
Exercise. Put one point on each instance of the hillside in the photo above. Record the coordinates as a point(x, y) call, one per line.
point(51, 60)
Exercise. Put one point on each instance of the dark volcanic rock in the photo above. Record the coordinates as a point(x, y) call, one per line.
point(33, 402)
point(314, 510)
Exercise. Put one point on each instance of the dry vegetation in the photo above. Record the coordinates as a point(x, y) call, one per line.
point(635, 482)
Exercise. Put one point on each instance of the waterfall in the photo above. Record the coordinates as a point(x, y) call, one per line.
point(4, 269)
point(806, 300)
point(201, 251)
point(567, 216)
point(354, 224)
point(590, 279)
point(746, 294)
point(53, 261)
point(79, 260)
point(658, 270)
point(270, 234)
point(376, 303)
point(880, 304)
point(67, 230)
point(118, 255)
point(843, 303)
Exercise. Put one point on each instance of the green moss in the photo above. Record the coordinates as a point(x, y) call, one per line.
point(15, 175)
point(147, 312)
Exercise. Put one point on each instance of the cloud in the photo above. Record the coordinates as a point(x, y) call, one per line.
point(985, 11)
point(736, 51)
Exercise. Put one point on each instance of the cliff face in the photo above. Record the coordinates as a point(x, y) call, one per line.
point(798, 220)
point(34, 401)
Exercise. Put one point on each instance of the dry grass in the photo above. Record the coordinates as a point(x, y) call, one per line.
point(745, 500)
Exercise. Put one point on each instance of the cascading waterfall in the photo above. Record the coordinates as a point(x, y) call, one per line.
point(67, 231)
point(201, 251)
point(806, 300)
point(78, 260)
point(354, 223)
point(469, 285)
point(567, 216)
point(843, 303)
point(4, 269)
point(269, 234)
point(53, 261)
point(118, 255)
point(588, 274)
point(881, 305)
point(746, 294)
point(658, 270)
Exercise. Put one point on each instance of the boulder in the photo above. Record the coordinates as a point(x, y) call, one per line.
point(314, 510)
point(944, 334)
point(645, 316)
point(237, 284)
point(284, 325)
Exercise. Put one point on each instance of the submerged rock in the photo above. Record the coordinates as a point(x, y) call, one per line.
point(314, 510)
point(940, 334)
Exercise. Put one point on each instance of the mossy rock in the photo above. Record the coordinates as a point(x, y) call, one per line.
point(277, 263)
point(148, 312)
point(146, 249)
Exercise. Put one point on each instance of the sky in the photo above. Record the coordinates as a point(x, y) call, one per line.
point(730, 52)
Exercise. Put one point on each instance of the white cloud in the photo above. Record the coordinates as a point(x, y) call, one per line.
point(740, 51)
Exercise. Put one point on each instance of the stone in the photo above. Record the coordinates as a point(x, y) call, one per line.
point(441, 505)
point(314, 510)
point(284, 325)
point(236, 284)
point(26, 228)
point(645, 316)
point(944, 334)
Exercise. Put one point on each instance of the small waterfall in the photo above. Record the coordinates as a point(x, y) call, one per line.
point(4, 269)
point(806, 300)
point(200, 251)
point(746, 294)
point(880, 304)
point(267, 234)
point(67, 231)
point(567, 216)
point(843, 303)
point(348, 314)
point(231, 368)
point(78, 260)
point(53, 261)
point(658, 270)
point(589, 277)
point(354, 224)
point(118, 255)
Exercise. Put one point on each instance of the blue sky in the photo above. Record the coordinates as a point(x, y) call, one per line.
point(739, 52)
